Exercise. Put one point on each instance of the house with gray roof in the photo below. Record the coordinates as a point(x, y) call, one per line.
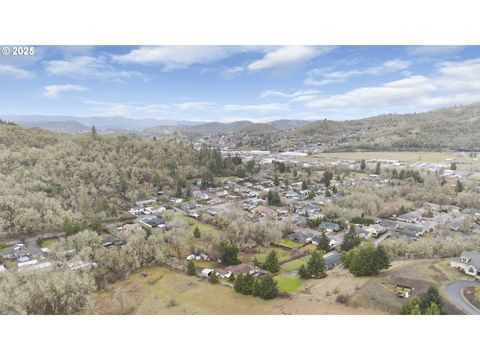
point(468, 262)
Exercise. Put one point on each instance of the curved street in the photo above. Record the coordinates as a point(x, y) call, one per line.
point(455, 295)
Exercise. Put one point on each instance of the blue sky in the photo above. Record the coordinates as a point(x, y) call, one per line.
point(228, 83)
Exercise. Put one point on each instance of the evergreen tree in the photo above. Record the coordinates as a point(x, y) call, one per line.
point(453, 166)
point(378, 168)
point(350, 240)
point(304, 185)
point(432, 296)
point(196, 232)
point(94, 132)
point(316, 265)
point(366, 260)
point(276, 181)
point(267, 287)
point(214, 278)
point(432, 310)
point(294, 172)
point(179, 192)
point(324, 243)
point(230, 254)
point(411, 307)
point(381, 258)
point(271, 263)
point(394, 174)
point(327, 178)
point(273, 198)
point(459, 186)
point(238, 283)
point(363, 165)
point(191, 268)
point(311, 194)
point(303, 273)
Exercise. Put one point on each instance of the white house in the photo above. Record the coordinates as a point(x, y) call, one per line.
point(468, 262)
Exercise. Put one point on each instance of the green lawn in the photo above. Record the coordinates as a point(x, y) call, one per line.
point(289, 243)
point(288, 283)
point(204, 228)
point(10, 264)
point(295, 264)
point(282, 254)
point(47, 243)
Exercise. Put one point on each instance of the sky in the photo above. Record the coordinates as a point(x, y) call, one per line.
point(230, 83)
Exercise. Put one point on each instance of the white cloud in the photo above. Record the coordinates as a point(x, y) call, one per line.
point(287, 55)
point(297, 96)
point(194, 105)
point(433, 50)
point(52, 91)
point(321, 77)
point(230, 72)
point(176, 57)
point(15, 72)
point(87, 67)
point(260, 107)
point(274, 93)
point(119, 109)
point(454, 83)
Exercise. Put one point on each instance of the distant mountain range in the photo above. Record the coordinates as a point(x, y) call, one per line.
point(64, 123)
point(77, 124)
point(449, 128)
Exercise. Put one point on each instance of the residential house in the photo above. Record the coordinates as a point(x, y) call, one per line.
point(388, 224)
point(468, 262)
point(410, 217)
point(329, 227)
point(153, 222)
point(239, 269)
point(304, 237)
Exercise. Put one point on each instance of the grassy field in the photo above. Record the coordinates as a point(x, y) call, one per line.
point(282, 254)
point(47, 243)
point(204, 228)
point(420, 274)
point(159, 290)
point(288, 283)
point(409, 157)
point(295, 264)
point(289, 243)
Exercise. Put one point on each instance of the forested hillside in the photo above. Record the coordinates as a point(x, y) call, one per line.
point(452, 128)
point(46, 176)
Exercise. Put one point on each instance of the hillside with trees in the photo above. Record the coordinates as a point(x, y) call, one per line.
point(46, 177)
point(450, 128)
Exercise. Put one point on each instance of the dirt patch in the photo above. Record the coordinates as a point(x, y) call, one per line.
point(186, 286)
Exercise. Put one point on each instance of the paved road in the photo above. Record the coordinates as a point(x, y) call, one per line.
point(455, 295)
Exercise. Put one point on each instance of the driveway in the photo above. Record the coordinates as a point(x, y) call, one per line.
point(455, 295)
